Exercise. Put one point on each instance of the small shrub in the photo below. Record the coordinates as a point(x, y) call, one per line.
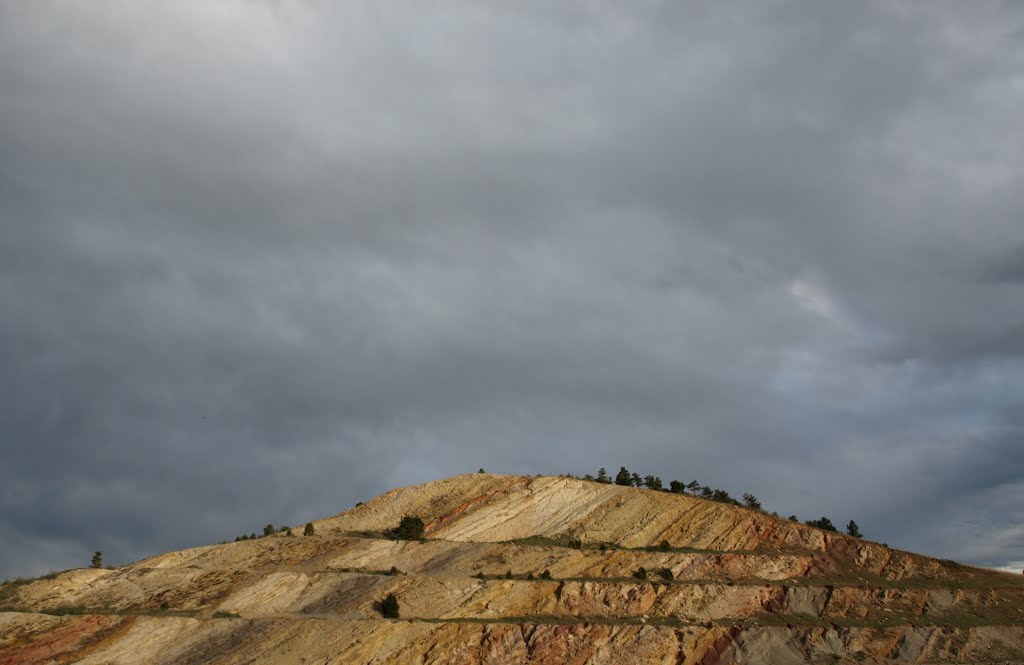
point(389, 606)
point(529, 576)
point(546, 575)
point(641, 573)
point(664, 546)
point(309, 530)
point(666, 574)
point(508, 575)
point(394, 571)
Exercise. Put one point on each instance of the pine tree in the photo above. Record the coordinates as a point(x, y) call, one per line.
point(602, 476)
point(751, 501)
point(854, 530)
point(623, 477)
point(97, 559)
point(410, 528)
point(823, 523)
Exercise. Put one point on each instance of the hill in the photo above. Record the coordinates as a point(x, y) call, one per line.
point(525, 569)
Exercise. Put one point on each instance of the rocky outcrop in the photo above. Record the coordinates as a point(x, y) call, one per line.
point(723, 585)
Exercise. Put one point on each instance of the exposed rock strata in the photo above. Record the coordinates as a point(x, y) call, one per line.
point(735, 586)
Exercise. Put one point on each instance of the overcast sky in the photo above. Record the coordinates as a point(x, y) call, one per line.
point(260, 261)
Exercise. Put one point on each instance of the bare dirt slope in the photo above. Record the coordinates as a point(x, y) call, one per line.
point(723, 585)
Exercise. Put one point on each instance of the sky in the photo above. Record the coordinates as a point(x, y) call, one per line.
point(262, 260)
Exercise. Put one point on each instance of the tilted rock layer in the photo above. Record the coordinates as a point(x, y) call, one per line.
point(517, 569)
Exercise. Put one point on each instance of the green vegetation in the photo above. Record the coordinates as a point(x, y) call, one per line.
point(823, 523)
point(640, 573)
point(389, 606)
point(392, 572)
point(630, 479)
point(97, 560)
point(546, 575)
point(309, 530)
point(410, 528)
point(854, 530)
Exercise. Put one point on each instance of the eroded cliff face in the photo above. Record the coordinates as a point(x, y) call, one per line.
point(724, 585)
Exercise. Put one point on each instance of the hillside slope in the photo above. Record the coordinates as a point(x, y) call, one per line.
point(724, 584)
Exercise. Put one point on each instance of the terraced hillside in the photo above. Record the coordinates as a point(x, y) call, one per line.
point(517, 569)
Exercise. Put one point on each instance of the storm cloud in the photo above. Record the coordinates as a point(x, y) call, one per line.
point(260, 261)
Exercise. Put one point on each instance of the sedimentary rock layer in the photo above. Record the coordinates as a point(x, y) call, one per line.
point(522, 569)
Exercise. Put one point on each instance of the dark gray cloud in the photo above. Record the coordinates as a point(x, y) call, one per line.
point(262, 261)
